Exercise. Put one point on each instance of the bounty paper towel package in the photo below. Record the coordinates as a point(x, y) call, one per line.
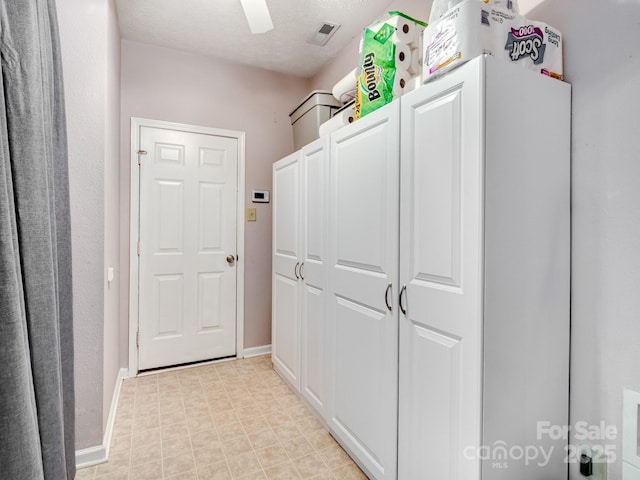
point(385, 61)
point(474, 27)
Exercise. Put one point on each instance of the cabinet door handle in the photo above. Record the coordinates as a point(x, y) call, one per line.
point(301, 270)
point(386, 296)
point(295, 270)
point(403, 291)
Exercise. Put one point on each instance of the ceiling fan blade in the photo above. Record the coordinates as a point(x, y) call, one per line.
point(257, 14)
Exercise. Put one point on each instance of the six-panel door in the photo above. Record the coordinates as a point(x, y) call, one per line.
point(188, 214)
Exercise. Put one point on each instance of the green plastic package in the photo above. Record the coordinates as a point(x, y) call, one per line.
point(378, 70)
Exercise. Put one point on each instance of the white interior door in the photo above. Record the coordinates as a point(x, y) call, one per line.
point(286, 263)
point(440, 397)
point(363, 274)
point(188, 220)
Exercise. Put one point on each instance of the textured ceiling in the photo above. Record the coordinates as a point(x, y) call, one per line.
point(218, 28)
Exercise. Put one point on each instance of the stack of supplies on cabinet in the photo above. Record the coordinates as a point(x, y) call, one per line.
point(390, 57)
point(474, 27)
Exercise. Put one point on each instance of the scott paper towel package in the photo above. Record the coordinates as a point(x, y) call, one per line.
point(474, 27)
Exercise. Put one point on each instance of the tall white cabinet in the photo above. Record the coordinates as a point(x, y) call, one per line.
point(445, 312)
point(300, 209)
point(484, 256)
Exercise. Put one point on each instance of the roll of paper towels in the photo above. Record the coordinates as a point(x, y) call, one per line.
point(406, 31)
point(400, 81)
point(339, 120)
point(345, 90)
point(403, 56)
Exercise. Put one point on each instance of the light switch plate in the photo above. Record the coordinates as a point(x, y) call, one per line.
point(251, 214)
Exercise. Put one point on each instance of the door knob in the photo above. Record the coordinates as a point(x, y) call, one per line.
point(230, 259)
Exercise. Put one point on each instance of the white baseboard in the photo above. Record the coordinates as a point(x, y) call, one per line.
point(88, 457)
point(257, 351)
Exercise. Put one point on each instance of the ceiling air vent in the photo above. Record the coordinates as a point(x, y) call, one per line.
point(324, 33)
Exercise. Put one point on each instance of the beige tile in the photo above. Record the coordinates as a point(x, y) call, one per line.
point(287, 431)
point(174, 446)
point(310, 465)
point(140, 456)
point(174, 430)
point(124, 475)
point(263, 439)
point(215, 471)
point(86, 473)
point(254, 476)
point(145, 409)
point(298, 447)
point(117, 465)
point(349, 472)
point(243, 465)
point(231, 431)
point(179, 464)
point(278, 418)
point(224, 417)
point(271, 456)
point(146, 438)
point(202, 422)
point(141, 424)
point(269, 407)
point(148, 471)
point(255, 424)
point(335, 457)
point(208, 455)
point(245, 401)
point(120, 444)
point(326, 475)
point(284, 471)
point(236, 447)
point(203, 438)
point(184, 476)
point(169, 417)
point(321, 440)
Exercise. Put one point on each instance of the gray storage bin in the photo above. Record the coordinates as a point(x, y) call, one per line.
point(313, 111)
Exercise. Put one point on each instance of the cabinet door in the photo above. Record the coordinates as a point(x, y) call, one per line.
point(441, 265)
point(285, 340)
point(314, 180)
point(363, 255)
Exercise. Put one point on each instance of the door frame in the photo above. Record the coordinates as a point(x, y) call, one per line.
point(134, 228)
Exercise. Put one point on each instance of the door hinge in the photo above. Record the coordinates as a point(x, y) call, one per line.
point(140, 153)
point(138, 338)
point(138, 248)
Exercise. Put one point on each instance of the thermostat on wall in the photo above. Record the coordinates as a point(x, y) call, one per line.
point(260, 196)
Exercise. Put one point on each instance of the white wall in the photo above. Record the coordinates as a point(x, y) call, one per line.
point(112, 210)
point(165, 84)
point(87, 33)
point(602, 63)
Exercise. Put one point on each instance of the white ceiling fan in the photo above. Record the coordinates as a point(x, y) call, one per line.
point(257, 14)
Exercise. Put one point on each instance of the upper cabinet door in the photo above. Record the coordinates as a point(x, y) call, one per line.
point(285, 334)
point(314, 168)
point(441, 266)
point(363, 271)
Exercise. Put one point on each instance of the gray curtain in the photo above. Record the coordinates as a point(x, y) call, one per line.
point(36, 337)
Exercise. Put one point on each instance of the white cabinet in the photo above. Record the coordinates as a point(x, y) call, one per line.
point(438, 343)
point(299, 274)
point(363, 273)
point(484, 255)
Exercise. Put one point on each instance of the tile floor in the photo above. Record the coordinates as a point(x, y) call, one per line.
point(230, 420)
